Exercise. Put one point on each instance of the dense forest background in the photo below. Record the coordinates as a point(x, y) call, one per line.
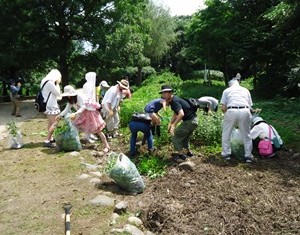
point(136, 38)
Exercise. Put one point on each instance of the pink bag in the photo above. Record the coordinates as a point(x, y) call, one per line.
point(265, 146)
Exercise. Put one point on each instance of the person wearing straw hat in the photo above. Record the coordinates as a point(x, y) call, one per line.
point(86, 118)
point(186, 119)
point(110, 106)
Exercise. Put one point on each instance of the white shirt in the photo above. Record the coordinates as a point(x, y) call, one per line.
point(261, 130)
point(209, 102)
point(236, 96)
point(113, 97)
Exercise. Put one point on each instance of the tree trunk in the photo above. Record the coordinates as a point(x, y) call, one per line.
point(64, 69)
point(139, 77)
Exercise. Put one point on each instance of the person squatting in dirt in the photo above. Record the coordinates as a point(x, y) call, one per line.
point(260, 129)
point(187, 119)
point(110, 106)
point(236, 104)
point(87, 118)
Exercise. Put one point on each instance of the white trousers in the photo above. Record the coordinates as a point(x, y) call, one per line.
point(112, 123)
point(240, 118)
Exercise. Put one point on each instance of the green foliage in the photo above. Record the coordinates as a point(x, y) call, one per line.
point(12, 128)
point(62, 127)
point(152, 166)
point(209, 131)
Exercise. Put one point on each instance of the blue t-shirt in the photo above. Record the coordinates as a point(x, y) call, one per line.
point(154, 106)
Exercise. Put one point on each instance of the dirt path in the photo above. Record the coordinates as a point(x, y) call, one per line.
point(27, 111)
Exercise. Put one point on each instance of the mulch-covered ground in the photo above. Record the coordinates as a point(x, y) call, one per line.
point(226, 198)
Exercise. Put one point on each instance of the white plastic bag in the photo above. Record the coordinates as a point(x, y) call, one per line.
point(237, 143)
point(15, 141)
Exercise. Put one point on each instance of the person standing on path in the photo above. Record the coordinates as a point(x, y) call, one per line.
point(187, 119)
point(89, 90)
point(15, 97)
point(236, 104)
point(51, 90)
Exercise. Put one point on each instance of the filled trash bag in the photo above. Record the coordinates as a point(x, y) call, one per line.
point(124, 173)
point(66, 136)
point(15, 141)
point(237, 143)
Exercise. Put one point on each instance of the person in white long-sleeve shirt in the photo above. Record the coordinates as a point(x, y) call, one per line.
point(260, 130)
point(89, 90)
point(51, 91)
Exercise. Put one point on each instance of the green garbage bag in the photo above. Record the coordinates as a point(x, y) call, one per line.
point(124, 173)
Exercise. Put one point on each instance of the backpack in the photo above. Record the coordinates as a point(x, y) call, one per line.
point(39, 103)
point(265, 147)
point(194, 104)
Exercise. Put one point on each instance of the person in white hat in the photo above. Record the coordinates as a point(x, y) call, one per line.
point(103, 87)
point(110, 105)
point(86, 118)
point(261, 129)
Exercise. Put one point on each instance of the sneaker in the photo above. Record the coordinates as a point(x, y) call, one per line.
point(52, 140)
point(93, 137)
point(227, 157)
point(179, 158)
point(189, 154)
point(90, 141)
point(248, 159)
point(48, 144)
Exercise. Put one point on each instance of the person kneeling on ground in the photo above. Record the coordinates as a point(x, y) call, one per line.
point(260, 130)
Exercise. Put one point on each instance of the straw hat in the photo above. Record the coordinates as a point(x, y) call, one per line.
point(124, 84)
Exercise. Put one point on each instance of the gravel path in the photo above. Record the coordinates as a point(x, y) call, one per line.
point(27, 111)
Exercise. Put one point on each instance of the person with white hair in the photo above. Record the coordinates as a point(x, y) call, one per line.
point(236, 104)
point(51, 92)
point(261, 129)
point(208, 104)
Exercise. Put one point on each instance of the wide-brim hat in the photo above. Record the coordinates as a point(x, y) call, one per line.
point(69, 91)
point(165, 88)
point(104, 84)
point(124, 84)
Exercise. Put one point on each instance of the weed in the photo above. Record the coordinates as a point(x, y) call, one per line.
point(152, 166)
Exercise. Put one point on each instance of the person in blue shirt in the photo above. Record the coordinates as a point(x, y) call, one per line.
point(15, 97)
point(153, 107)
